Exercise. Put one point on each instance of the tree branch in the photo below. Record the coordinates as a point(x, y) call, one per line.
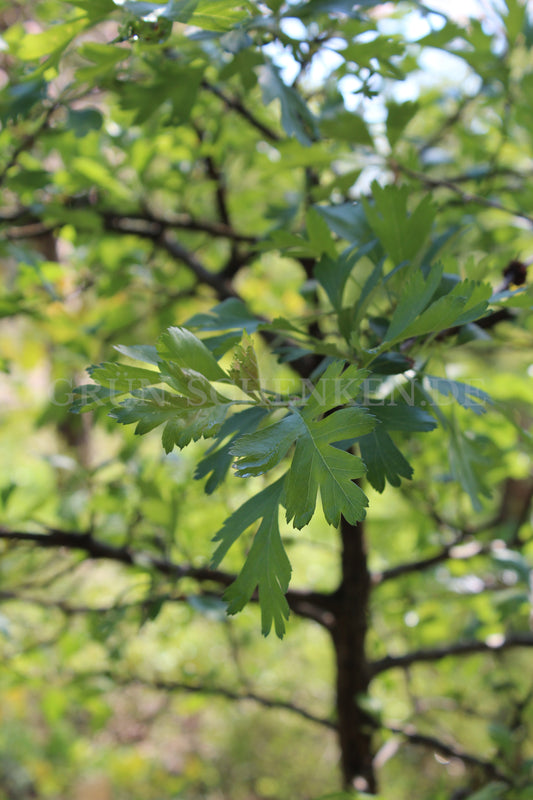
point(97, 549)
point(147, 224)
point(310, 605)
point(431, 654)
point(451, 751)
point(466, 197)
point(235, 104)
point(213, 691)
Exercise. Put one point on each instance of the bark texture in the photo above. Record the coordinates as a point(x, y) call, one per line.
point(353, 675)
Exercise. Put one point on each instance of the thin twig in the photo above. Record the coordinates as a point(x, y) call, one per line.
point(432, 654)
point(466, 197)
point(235, 104)
point(214, 691)
point(314, 606)
point(449, 750)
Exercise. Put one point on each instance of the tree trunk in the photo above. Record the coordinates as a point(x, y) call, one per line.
point(349, 633)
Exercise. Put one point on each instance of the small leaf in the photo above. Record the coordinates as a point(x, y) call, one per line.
point(241, 519)
point(398, 117)
point(268, 568)
point(384, 462)
point(319, 234)
point(83, 121)
point(184, 420)
point(348, 221)
point(260, 451)
point(122, 378)
point(333, 272)
point(187, 350)
point(231, 314)
point(244, 371)
point(467, 396)
point(218, 459)
point(53, 40)
point(468, 465)
point(140, 352)
point(466, 302)
point(296, 118)
point(401, 417)
point(415, 296)
point(348, 127)
point(402, 234)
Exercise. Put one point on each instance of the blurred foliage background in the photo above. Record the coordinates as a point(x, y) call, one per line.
point(147, 175)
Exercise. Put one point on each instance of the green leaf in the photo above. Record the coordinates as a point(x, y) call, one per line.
point(466, 302)
point(220, 15)
point(89, 397)
point(212, 15)
point(348, 221)
point(53, 40)
point(384, 462)
point(95, 9)
point(244, 371)
point(139, 352)
point(319, 234)
point(190, 383)
point(123, 378)
point(403, 235)
point(332, 274)
point(193, 424)
point(496, 790)
point(347, 127)
point(266, 566)
point(317, 464)
point(398, 117)
point(17, 100)
point(468, 464)
point(296, 118)
point(184, 420)
point(335, 387)
point(83, 121)
point(231, 314)
point(470, 397)
point(175, 83)
point(401, 417)
point(183, 347)
point(515, 19)
point(260, 451)
point(414, 298)
point(219, 457)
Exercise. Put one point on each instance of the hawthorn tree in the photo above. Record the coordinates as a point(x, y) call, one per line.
point(290, 243)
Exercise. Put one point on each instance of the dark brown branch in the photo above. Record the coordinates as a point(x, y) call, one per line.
point(147, 224)
point(412, 566)
point(455, 649)
point(223, 288)
point(97, 549)
point(305, 604)
point(24, 224)
point(213, 691)
point(235, 104)
point(448, 750)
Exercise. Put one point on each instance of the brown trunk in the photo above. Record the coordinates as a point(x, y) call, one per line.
point(349, 633)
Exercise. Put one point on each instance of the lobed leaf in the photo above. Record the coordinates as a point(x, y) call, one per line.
point(317, 464)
